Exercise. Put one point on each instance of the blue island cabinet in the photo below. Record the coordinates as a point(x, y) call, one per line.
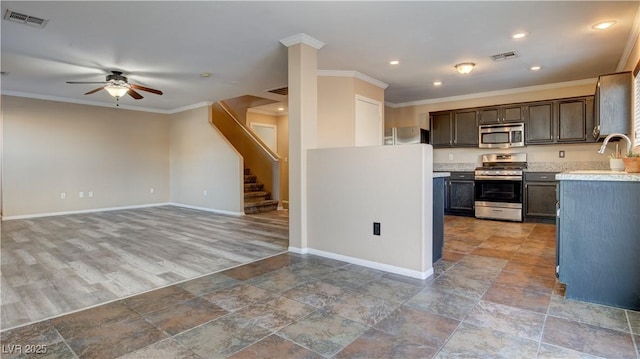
point(438, 218)
point(598, 239)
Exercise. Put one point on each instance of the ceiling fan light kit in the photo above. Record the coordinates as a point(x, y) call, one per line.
point(117, 86)
point(116, 90)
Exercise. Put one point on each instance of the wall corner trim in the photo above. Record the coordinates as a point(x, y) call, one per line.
point(302, 38)
point(298, 250)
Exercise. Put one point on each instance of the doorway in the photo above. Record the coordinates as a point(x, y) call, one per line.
point(369, 127)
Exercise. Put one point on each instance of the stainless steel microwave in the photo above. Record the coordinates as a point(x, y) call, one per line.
point(501, 136)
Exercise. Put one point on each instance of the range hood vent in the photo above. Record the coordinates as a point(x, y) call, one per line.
point(280, 91)
point(25, 19)
point(504, 56)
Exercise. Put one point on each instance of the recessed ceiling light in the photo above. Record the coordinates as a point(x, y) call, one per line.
point(604, 25)
point(535, 68)
point(437, 83)
point(519, 35)
point(280, 108)
point(205, 74)
point(394, 62)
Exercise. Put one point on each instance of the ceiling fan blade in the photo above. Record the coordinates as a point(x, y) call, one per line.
point(134, 94)
point(94, 91)
point(142, 88)
point(84, 82)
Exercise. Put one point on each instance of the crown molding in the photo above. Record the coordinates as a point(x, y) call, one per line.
point(82, 102)
point(190, 107)
point(631, 42)
point(551, 86)
point(102, 104)
point(355, 74)
point(302, 38)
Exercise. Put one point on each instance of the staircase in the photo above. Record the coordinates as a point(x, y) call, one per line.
point(256, 200)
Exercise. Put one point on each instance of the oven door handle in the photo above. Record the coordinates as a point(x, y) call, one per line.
point(498, 178)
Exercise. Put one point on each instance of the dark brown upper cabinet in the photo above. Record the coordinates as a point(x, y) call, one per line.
point(538, 127)
point(559, 121)
point(501, 114)
point(567, 120)
point(458, 128)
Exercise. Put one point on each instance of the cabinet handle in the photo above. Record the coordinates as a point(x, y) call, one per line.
point(543, 177)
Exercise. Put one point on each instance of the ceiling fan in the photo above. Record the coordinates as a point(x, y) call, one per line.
point(117, 86)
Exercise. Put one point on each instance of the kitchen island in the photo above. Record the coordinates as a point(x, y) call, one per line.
point(438, 214)
point(598, 237)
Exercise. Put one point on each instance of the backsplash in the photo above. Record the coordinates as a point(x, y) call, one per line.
point(567, 166)
point(532, 166)
point(454, 167)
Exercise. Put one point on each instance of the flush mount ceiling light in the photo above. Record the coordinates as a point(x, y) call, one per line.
point(603, 25)
point(394, 62)
point(535, 68)
point(116, 91)
point(280, 108)
point(437, 83)
point(465, 67)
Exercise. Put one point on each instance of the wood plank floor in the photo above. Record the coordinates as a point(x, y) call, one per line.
point(60, 264)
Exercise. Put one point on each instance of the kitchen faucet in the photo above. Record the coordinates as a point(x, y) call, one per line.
point(606, 140)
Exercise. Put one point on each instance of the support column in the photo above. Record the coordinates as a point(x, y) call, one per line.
point(303, 127)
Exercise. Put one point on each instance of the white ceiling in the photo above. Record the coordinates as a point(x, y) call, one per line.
point(167, 45)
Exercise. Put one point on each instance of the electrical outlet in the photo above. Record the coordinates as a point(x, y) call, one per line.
point(151, 190)
point(90, 194)
point(204, 192)
point(376, 228)
point(63, 195)
point(81, 194)
point(561, 154)
point(451, 157)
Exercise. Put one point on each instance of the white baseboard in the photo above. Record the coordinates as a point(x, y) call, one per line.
point(80, 211)
point(365, 263)
point(212, 210)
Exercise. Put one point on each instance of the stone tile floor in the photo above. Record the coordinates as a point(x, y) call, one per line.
point(494, 295)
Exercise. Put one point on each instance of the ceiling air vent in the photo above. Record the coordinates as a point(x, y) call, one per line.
point(25, 19)
point(280, 91)
point(504, 56)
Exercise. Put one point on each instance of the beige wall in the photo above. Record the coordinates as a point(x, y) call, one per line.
point(52, 147)
point(336, 111)
point(337, 108)
point(202, 160)
point(634, 56)
point(350, 188)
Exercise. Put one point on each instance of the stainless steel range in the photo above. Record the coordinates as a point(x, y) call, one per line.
point(498, 186)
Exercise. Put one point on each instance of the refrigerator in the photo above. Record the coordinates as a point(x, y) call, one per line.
point(405, 135)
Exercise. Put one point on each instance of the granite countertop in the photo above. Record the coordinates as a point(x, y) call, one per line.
point(531, 166)
point(598, 175)
point(441, 174)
